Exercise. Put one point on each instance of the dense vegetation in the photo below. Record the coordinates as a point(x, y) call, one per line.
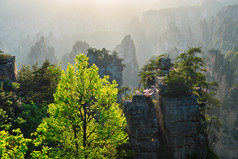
point(65, 115)
point(188, 77)
point(150, 71)
point(85, 120)
point(74, 114)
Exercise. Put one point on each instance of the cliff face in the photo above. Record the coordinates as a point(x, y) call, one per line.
point(219, 70)
point(142, 127)
point(8, 69)
point(127, 51)
point(225, 27)
point(165, 127)
point(182, 126)
point(227, 144)
point(108, 65)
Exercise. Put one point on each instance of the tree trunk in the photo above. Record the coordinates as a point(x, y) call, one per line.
point(76, 143)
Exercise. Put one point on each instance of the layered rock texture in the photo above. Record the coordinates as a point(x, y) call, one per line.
point(142, 127)
point(219, 70)
point(227, 144)
point(108, 64)
point(8, 68)
point(127, 51)
point(165, 127)
point(162, 127)
point(182, 126)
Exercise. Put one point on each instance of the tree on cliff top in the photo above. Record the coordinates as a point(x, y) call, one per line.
point(84, 121)
point(189, 78)
point(149, 71)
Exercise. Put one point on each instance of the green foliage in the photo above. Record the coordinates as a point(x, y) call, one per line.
point(10, 106)
point(108, 64)
point(39, 83)
point(176, 84)
point(5, 124)
point(189, 78)
point(149, 71)
point(37, 86)
point(4, 56)
point(124, 151)
point(103, 57)
point(188, 74)
point(84, 120)
point(32, 115)
point(42, 154)
point(13, 146)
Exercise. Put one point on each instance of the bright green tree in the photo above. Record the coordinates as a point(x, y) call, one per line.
point(84, 121)
point(13, 146)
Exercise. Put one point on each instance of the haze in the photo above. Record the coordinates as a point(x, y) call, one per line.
point(101, 23)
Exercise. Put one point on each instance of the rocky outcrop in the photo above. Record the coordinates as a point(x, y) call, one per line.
point(225, 27)
point(219, 70)
point(8, 68)
point(142, 127)
point(208, 26)
point(79, 47)
point(227, 144)
point(40, 52)
point(165, 63)
point(127, 51)
point(165, 127)
point(162, 127)
point(180, 121)
point(108, 64)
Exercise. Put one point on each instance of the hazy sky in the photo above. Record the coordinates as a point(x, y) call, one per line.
point(96, 11)
point(86, 15)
